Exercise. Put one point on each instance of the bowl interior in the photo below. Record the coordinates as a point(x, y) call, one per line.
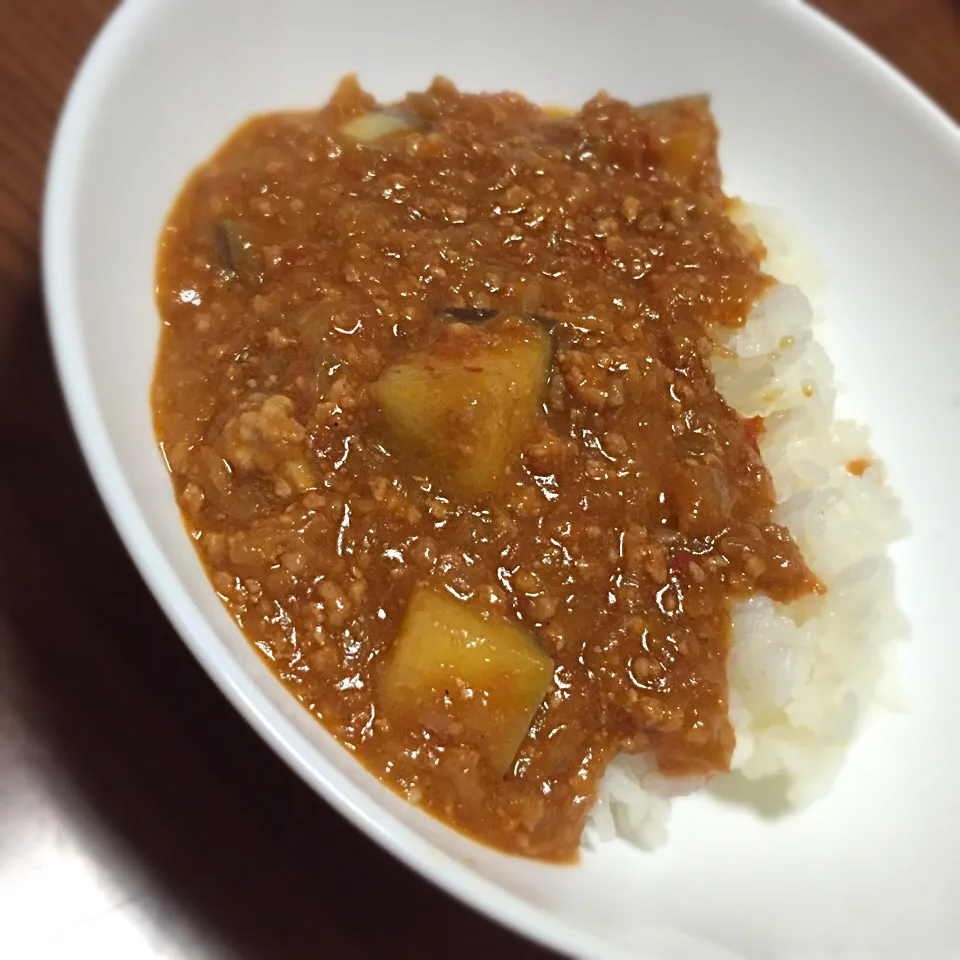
point(814, 126)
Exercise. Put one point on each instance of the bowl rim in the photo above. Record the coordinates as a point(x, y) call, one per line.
point(64, 323)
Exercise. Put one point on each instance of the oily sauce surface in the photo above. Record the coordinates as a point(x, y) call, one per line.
point(298, 263)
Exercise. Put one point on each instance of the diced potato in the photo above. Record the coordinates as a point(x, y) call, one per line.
point(485, 677)
point(685, 136)
point(466, 402)
point(379, 123)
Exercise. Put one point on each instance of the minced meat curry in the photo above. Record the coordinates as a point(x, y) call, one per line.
point(434, 390)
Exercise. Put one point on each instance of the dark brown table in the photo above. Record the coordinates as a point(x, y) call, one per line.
point(139, 816)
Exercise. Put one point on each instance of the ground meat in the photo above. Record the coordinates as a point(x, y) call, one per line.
point(632, 507)
point(266, 438)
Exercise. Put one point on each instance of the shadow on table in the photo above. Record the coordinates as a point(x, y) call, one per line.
point(175, 791)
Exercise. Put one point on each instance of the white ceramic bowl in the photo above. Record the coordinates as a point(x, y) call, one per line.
point(813, 124)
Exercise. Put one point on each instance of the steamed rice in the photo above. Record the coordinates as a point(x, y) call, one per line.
point(802, 675)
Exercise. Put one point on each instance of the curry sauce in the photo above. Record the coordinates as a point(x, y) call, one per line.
point(435, 378)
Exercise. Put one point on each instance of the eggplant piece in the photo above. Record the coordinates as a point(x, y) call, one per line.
point(685, 135)
point(476, 316)
point(479, 679)
point(465, 402)
point(548, 323)
point(237, 252)
point(483, 314)
point(376, 124)
point(655, 106)
point(467, 314)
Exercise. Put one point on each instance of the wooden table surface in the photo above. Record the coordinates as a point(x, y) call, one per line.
point(139, 816)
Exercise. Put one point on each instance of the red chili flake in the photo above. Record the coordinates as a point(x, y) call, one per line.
point(680, 561)
point(752, 428)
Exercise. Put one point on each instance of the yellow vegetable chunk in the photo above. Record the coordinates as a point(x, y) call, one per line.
point(378, 123)
point(465, 402)
point(477, 680)
point(685, 137)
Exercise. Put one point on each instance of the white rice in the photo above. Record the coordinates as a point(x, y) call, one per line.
point(802, 675)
